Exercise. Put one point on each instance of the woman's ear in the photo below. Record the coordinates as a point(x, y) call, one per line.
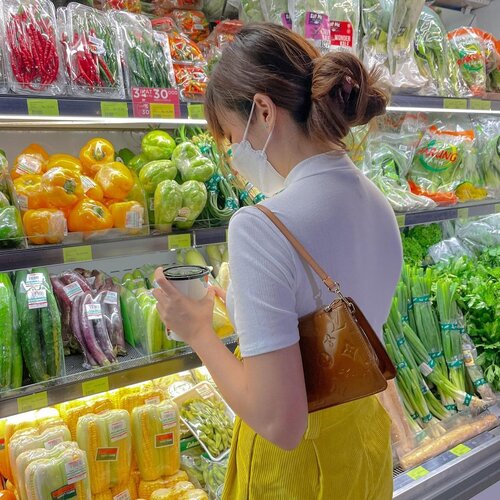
point(265, 111)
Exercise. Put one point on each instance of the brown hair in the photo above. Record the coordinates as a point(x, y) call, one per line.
point(325, 95)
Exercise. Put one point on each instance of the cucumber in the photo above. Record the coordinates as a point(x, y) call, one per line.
point(30, 332)
point(17, 356)
point(51, 328)
point(6, 333)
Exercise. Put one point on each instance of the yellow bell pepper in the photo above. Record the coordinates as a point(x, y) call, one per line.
point(45, 225)
point(127, 215)
point(65, 161)
point(92, 189)
point(36, 149)
point(467, 191)
point(95, 153)
point(115, 179)
point(89, 215)
point(29, 192)
point(62, 187)
point(27, 163)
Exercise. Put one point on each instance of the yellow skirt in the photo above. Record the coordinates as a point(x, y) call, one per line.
point(345, 454)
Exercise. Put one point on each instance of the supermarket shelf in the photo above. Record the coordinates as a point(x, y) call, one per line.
point(120, 247)
point(453, 475)
point(428, 104)
point(132, 369)
point(461, 4)
point(462, 210)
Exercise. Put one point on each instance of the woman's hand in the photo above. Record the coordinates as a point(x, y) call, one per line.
point(188, 318)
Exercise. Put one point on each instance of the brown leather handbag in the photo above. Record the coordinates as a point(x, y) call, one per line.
point(342, 356)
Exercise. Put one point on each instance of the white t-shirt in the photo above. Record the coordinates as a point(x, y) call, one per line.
point(347, 226)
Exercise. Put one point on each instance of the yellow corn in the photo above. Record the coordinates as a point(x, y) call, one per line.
point(71, 412)
point(146, 488)
point(195, 494)
point(106, 495)
point(119, 470)
point(172, 492)
point(101, 404)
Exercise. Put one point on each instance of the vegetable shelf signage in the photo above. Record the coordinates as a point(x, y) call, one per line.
point(155, 103)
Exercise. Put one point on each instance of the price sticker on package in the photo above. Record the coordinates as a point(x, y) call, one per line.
point(155, 103)
point(94, 311)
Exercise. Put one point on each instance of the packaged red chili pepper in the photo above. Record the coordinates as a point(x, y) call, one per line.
point(133, 6)
point(33, 60)
point(163, 7)
point(191, 81)
point(192, 23)
point(91, 44)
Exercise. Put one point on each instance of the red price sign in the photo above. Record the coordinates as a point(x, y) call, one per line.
point(155, 103)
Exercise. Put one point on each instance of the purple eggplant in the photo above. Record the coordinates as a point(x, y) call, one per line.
point(89, 335)
point(65, 307)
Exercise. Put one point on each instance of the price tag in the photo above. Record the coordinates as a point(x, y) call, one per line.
point(480, 104)
point(463, 213)
point(176, 241)
point(455, 103)
point(497, 208)
point(95, 386)
point(155, 103)
point(110, 109)
point(43, 107)
point(418, 473)
point(32, 402)
point(94, 311)
point(77, 254)
point(196, 111)
point(401, 218)
point(162, 111)
point(460, 450)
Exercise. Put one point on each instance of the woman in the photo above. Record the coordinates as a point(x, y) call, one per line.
point(286, 110)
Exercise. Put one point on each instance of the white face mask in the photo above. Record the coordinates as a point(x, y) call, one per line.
point(253, 164)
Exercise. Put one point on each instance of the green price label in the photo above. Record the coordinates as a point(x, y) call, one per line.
point(463, 213)
point(497, 208)
point(176, 241)
point(401, 218)
point(43, 107)
point(480, 104)
point(196, 111)
point(96, 386)
point(32, 402)
point(455, 103)
point(77, 254)
point(460, 450)
point(418, 473)
point(111, 109)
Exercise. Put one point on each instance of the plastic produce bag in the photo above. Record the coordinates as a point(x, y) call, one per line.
point(90, 40)
point(276, 11)
point(192, 23)
point(345, 25)
point(480, 234)
point(213, 474)
point(448, 249)
point(147, 61)
point(133, 6)
point(4, 84)
point(33, 61)
point(250, 11)
point(405, 74)
point(310, 19)
point(191, 81)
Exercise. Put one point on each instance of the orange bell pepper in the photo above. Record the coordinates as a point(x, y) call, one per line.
point(62, 187)
point(95, 153)
point(115, 179)
point(127, 215)
point(45, 225)
point(33, 149)
point(89, 215)
point(91, 189)
point(27, 163)
point(29, 192)
point(65, 161)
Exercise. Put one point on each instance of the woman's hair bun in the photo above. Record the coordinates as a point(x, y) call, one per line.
point(343, 94)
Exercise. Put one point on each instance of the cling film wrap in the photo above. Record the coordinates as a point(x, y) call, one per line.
point(209, 418)
point(147, 61)
point(250, 11)
point(58, 478)
point(376, 18)
point(32, 61)
point(91, 44)
point(4, 84)
point(387, 160)
point(480, 234)
point(191, 81)
point(214, 474)
point(345, 25)
point(276, 11)
point(469, 54)
point(404, 70)
point(310, 19)
point(192, 23)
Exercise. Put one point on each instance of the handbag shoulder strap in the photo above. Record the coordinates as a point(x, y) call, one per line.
point(332, 285)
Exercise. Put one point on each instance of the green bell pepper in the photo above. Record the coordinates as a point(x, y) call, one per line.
point(137, 162)
point(4, 201)
point(167, 203)
point(192, 165)
point(126, 155)
point(185, 151)
point(11, 226)
point(194, 199)
point(158, 145)
point(156, 171)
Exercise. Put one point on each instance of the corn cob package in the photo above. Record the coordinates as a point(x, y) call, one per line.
point(62, 477)
point(209, 418)
point(147, 488)
point(107, 440)
point(155, 431)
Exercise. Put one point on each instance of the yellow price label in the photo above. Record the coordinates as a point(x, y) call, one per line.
point(32, 402)
point(43, 107)
point(480, 104)
point(110, 109)
point(463, 213)
point(95, 386)
point(77, 254)
point(418, 473)
point(455, 103)
point(196, 111)
point(157, 110)
point(176, 241)
point(460, 450)
point(401, 218)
